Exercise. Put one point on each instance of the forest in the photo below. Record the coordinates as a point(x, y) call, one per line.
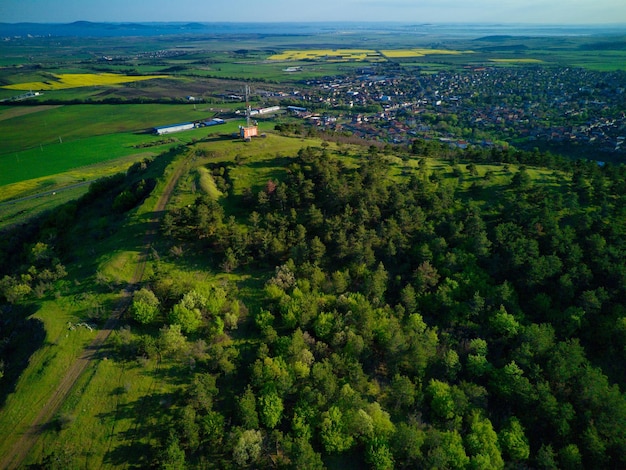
point(465, 316)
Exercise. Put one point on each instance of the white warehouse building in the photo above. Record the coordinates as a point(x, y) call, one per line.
point(184, 126)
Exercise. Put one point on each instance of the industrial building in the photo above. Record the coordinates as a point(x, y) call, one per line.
point(271, 109)
point(184, 126)
point(213, 122)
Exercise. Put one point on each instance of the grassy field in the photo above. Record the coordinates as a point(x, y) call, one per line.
point(78, 122)
point(420, 52)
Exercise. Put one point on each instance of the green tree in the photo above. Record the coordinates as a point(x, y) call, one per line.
point(521, 179)
point(409, 299)
point(445, 450)
point(570, 457)
point(317, 249)
point(303, 456)
point(13, 290)
point(504, 324)
point(441, 400)
point(172, 340)
point(513, 441)
point(482, 443)
point(546, 458)
point(202, 391)
point(188, 319)
point(402, 392)
point(172, 457)
point(333, 433)
point(376, 285)
point(145, 306)
point(407, 444)
point(270, 409)
point(247, 450)
point(247, 409)
point(379, 456)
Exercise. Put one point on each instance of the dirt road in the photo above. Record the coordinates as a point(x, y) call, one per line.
point(27, 440)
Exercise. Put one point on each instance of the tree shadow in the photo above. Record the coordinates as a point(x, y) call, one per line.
point(147, 414)
point(276, 162)
point(20, 337)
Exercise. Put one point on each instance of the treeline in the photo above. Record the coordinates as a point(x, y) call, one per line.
point(34, 256)
point(411, 323)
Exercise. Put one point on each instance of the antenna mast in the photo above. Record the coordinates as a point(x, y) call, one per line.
point(248, 109)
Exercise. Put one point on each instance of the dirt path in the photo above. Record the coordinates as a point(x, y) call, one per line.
point(25, 443)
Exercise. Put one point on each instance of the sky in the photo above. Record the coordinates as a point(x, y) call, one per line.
point(411, 11)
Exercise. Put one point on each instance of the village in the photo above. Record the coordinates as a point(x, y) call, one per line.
point(528, 106)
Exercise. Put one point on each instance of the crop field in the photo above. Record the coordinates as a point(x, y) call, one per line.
point(68, 123)
point(77, 80)
point(518, 61)
point(603, 61)
point(359, 54)
point(61, 157)
point(329, 54)
point(402, 53)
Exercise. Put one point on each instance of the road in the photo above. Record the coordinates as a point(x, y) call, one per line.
point(45, 193)
point(25, 442)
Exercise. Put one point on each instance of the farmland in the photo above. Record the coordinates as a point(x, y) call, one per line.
point(77, 80)
point(328, 55)
point(403, 53)
point(517, 61)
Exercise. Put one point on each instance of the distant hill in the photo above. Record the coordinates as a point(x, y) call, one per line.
point(504, 47)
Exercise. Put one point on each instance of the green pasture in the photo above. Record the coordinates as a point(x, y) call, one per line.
point(57, 157)
point(603, 61)
point(273, 71)
point(80, 121)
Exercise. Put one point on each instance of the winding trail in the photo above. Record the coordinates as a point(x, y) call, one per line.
point(19, 451)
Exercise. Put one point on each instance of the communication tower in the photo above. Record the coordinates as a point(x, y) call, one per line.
point(249, 130)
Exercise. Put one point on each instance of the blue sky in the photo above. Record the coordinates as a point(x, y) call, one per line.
point(419, 11)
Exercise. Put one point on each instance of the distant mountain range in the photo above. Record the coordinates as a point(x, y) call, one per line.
point(94, 29)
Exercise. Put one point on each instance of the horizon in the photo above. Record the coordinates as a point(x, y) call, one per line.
point(354, 22)
point(539, 12)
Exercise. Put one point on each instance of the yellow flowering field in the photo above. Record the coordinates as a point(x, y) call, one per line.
point(75, 80)
point(328, 54)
